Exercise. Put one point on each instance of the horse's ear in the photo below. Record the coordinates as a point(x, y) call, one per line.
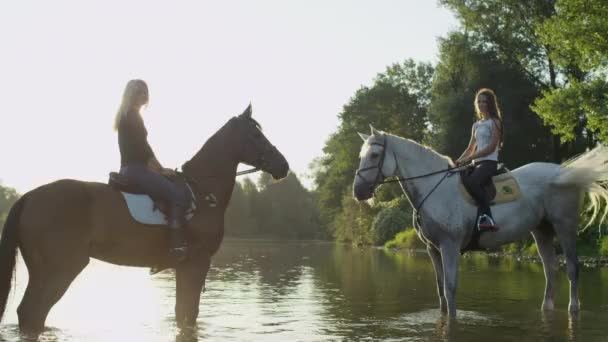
point(363, 136)
point(247, 112)
point(374, 131)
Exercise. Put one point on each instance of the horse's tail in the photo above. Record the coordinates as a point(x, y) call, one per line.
point(8, 251)
point(588, 172)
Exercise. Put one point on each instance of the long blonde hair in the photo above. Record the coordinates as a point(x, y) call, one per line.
point(134, 97)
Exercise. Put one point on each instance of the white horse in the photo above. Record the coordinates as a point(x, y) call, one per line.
point(550, 203)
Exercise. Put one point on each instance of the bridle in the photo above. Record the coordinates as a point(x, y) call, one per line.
point(261, 161)
point(379, 176)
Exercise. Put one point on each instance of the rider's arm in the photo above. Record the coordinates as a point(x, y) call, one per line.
point(470, 149)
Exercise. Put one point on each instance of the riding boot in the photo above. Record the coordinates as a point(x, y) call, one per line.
point(177, 228)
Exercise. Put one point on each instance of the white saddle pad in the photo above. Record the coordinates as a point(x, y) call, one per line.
point(142, 209)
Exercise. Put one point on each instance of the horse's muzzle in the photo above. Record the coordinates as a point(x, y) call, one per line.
point(362, 191)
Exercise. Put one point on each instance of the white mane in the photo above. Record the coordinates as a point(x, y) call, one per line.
point(411, 147)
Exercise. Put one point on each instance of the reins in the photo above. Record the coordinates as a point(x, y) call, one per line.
point(245, 172)
point(399, 179)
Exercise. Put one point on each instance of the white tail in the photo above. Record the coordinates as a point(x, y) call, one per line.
point(589, 172)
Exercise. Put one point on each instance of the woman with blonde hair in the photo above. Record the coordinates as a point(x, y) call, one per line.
point(140, 166)
point(483, 148)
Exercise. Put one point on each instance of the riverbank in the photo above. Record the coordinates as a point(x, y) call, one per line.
point(585, 261)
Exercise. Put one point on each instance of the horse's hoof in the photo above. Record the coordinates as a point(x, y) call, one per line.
point(574, 308)
point(548, 306)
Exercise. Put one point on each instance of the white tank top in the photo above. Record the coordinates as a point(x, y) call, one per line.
point(483, 136)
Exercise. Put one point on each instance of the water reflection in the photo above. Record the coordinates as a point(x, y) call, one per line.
point(313, 291)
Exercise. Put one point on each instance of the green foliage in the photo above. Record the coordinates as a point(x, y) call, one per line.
point(397, 103)
point(577, 33)
point(531, 250)
point(604, 246)
point(353, 223)
point(507, 29)
point(513, 248)
point(387, 223)
point(407, 239)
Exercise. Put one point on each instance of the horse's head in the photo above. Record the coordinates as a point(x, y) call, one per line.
point(256, 150)
point(375, 164)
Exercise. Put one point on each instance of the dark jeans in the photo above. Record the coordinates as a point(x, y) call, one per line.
point(474, 182)
point(154, 184)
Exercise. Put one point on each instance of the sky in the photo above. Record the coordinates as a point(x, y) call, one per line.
point(64, 66)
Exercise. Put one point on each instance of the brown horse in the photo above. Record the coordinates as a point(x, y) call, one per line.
point(60, 225)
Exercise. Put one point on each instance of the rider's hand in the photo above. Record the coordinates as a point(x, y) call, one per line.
point(461, 162)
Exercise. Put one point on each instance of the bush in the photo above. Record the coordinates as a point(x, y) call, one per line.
point(531, 250)
point(513, 248)
point(388, 223)
point(604, 246)
point(407, 239)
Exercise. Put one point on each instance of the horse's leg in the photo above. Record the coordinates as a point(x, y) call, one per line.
point(543, 235)
point(566, 232)
point(438, 266)
point(449, 258)
point(190, 279)
point(563, 212)
point(45, 287)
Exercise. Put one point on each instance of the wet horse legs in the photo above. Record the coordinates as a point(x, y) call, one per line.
point(190, 280)
point(543, 235)
point(438, 266)
point(45, 287)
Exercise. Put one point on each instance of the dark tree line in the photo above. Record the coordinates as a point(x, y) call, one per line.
point(270, 209)
point(8, 196)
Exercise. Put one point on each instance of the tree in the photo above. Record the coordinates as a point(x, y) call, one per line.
point(283, 209)
point(397, 103)
point(579, 46)
point(239, 214)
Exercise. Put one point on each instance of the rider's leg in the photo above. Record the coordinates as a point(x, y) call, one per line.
point(177, 225)
point(474, 183)
point(160, 188)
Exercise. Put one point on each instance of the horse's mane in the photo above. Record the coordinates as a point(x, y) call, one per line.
point(199, 156)
point(407, 145)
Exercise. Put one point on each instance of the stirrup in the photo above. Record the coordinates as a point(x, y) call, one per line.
point(485, 223)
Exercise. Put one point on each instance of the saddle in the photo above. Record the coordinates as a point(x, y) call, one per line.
point(148, 210)
point(502, 189)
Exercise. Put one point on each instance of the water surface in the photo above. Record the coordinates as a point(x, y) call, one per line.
point(318, 291)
